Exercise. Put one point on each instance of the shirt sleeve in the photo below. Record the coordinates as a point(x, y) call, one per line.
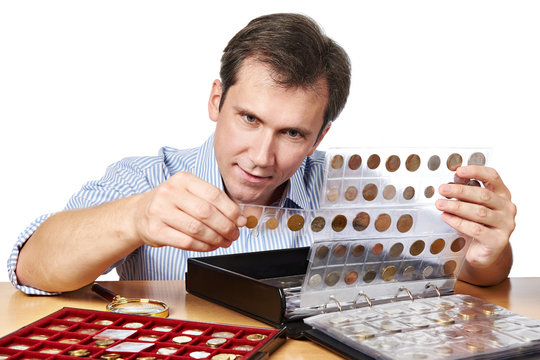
point(122, 179)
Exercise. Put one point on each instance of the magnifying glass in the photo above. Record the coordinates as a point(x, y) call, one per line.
point(134, 306)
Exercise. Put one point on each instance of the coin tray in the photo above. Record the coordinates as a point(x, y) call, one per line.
point(71, 332)
point(449, 327)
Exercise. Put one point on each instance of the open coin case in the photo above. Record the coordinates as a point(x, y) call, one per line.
point(448, 327)
point(70, 333)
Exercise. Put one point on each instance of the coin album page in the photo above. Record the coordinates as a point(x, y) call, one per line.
point(70, 333)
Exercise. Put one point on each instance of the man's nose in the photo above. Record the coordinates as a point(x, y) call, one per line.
point(263, 149)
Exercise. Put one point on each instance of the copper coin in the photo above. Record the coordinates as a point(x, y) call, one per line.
point(355, 161)
point(369, 276)
point(333, 194)
point(454, 161)
point(392, 163)
point(389, 273)
point(417, 247)
point(340, 251)
point(252, 222)
point(405, 223)
point(351, 193)
point(351, 277)
point(318, 223)
point(458, 244)
point(382, 223)
point(473, 182)
point(370, 192)
point(437, 246)
point(477, 158)
point(361, 221)
point(373, 161)
point(413, 162)
point(396, 250)
point(272, 223)
point(449, 267)
point(358, 250)
point(389, 192)
point(429, 192)
point(321, 252)
point(408, 193)
point(408, 272)
point(339, 223)
point(377, 249)
point(295, 222)
point(434, 162)
point(337, 162)
point(332, 278)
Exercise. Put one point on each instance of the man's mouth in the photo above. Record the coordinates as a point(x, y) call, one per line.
point(252, 178)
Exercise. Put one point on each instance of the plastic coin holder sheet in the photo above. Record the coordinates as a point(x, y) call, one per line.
point(71, 333)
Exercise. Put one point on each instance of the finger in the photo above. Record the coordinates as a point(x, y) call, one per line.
point(490, 238)
point(169, 236)
point(475, 213)
point(488, 176)
point(473, 194)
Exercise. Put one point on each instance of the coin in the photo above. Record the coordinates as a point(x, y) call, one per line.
point(475, 346)
point(412, 163)
point(318, 223)
point(429, 192)
point(339, 222)
point(449, 267)
point(110, 356)
point(489, 309)
point(351, 193)
point(337, 162)
point(389, 192)
point(215, 342)
point(434, 162)
point(370, 192)
point(50, 351)
point(272, 223)
point(223, 334)
point(369, 275)
point(361, 221)
point(321, 252)
point(408, 193)
point(377, 249)
point(454, 161)
point(146, 358)
point(437, 246)
point(417, 247)
point(364, 334)
point(477, 158)
point(404, 223)
point(251, 222)
point(358, 250)
point(168, 350)
point(382, 223)
point(351, 277)
point(333, 194)
point(396, 250)
point(182, 339)
point(443, 349)
point(256, 337)
point(163, 328)
point(295, 222)
point(58, 327)
point(473, 182)
point(315, 281)
point(148, 337)
point(39, 337)
point(225, 356)
point(392, 163)
point(389, 272)
point(340, 250)
point(103, 342)
point(79, 353)
point(243, 347)
point(332, 278)
point(194, 332)
point(133, 325)
point(428, 270)
point(103, 322)
point(373, 161)
point(18, 347)
point(87, 331)
point(408, 272)
point(355, 161)
point(74, 318)
point(458, 244)
point(69, 341)
point(468, 314)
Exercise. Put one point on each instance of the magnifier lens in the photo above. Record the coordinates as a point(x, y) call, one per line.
point(137, 307)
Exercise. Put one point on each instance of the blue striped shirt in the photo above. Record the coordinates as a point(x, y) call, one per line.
point(136, 175)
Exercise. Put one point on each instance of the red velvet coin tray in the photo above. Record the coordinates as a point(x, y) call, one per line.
point(72, 332)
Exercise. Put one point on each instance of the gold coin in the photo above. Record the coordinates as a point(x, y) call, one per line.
point(370, 192)
point(392, 163)
point(369, 276)
point(434, 162)
point(333, 194)
point(417, 247)
point(50, 351)
point(321, 252)
point(318, 224)
point(449, 267)
point(351, 193)
point(103, 342)
point(389, 272)
point(110, 356)
point(79, 353)
point(358, 250)
point(361, 221)
point(364, 334)
point(351, 277)
point(69, 341)
point(252, 222)
point(87, 331)
point(340, 250)
point(396, 250)
point(389, 192)
point(458, 244)
point(437, 246)
point(146, 358)
point(405, 223)
point(477, 158)
point(256, 337)
point(272, 223)
point(39, 337)
point(408, 193)
point(295, 222)
point(444, 319)
point(355, 161)
point(332, 278)
point(429, 192)
point(412, 163)
point(373, 161)
point(467, 314)
point(182, 339)
point(337, 162)
point(382, 223)
point(339, 223)
point(454, 161)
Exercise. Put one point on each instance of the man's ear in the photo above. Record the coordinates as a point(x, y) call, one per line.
point(214, 100)
point(320, 138)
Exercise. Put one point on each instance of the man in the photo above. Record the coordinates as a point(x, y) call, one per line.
point(282, 84)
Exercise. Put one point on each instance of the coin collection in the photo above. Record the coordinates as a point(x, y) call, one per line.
point(448, 327)
point(71, 333)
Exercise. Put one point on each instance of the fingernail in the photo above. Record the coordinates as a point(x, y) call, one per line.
point(241, 221)
point(445, 189)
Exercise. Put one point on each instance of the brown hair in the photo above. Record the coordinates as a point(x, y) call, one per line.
point(297, 50)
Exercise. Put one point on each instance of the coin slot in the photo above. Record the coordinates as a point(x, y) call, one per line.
point(417, 247)
point(383, 222)
point(434, 162)
point(351, 193)
point(337, 162)
point(370, 192)
point(295, 222)
point(408, 193)
point(454, 161)
point(392, 163)
point(355, 161)
point(412, 163)
point(458, 244)
point(477, 158)
point(361, 221)
point(339, 223)
point(373, 161)
point(389, 192)
point(318, 224)
point(405, 223)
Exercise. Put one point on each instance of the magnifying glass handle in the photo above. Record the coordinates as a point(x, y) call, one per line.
point(105, 293)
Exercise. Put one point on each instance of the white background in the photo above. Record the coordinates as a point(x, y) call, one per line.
point(84, 84)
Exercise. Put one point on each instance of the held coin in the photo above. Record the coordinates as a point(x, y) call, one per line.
point(251, 222)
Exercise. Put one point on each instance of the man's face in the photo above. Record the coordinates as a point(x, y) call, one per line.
point(263, 132)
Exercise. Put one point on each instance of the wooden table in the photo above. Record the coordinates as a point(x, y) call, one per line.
point(521, 295)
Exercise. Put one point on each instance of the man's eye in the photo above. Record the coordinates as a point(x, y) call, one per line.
point(249, 118)
point(293, 133)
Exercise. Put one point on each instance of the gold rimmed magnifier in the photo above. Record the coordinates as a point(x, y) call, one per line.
point(133, 306)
